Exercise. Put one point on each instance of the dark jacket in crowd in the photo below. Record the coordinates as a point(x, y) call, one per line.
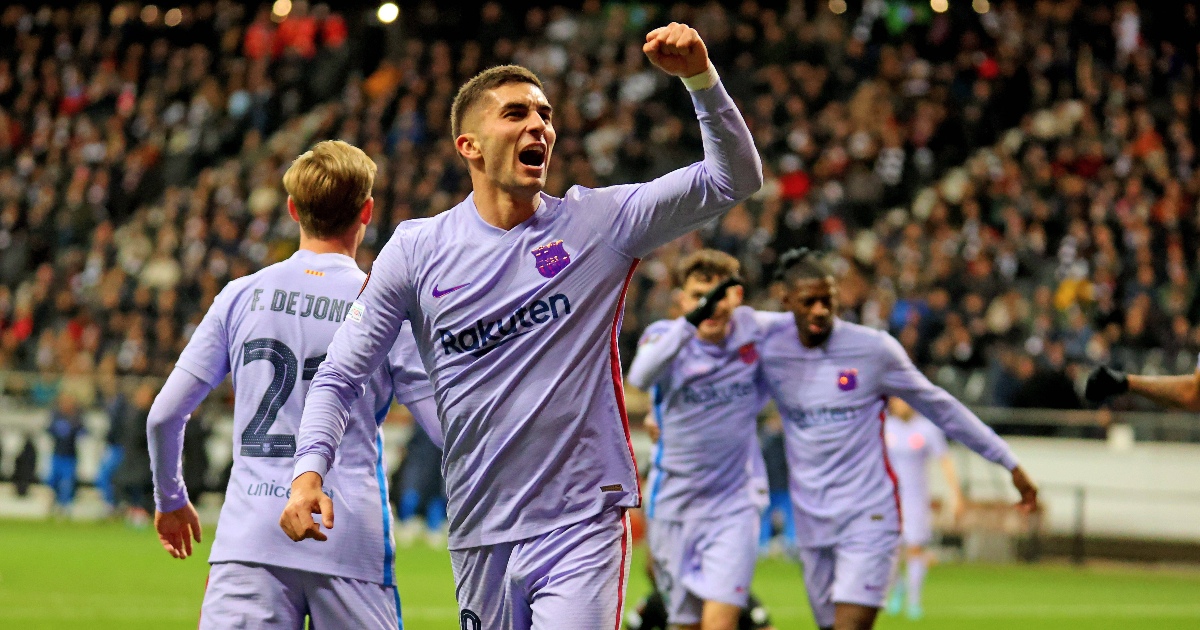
point(25, 468)
point(65, 429)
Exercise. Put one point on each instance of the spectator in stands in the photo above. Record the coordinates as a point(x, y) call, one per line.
point(988, 183)
point(1045, 386)
point(66, 425)
point(25, 467)
point(134, 477)
point(195, 454)
point(114, 449)
point(780, 506)
point(419, 490)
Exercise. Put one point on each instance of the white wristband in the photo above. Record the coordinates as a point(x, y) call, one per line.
point(702, 81)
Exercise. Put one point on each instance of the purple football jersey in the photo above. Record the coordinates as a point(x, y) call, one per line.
point(271, 330)
point(518, 332)
point(706, 401)
point(910, 446)
point(832, 399)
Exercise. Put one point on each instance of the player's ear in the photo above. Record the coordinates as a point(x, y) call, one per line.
point(292, 211)
point(368, 211)
point(468, 146)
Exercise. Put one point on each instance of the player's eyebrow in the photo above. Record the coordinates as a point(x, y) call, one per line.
point(513, 106)
point(519, 106)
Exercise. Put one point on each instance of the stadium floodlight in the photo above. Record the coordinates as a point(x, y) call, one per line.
point(939, 6)
point(173, 17)
point(119, 15)
point(149, 13)
point(281, 8)
point(838, 7)
point(388, 12)
point(981, 6)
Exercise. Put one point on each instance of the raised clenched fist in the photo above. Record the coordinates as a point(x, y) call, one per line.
point(677, 49)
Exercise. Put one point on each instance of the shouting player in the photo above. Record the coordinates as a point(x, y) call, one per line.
point(271, 330)
point(831, 380)
point(702, 374)
point(516, 298)
point(912, 440)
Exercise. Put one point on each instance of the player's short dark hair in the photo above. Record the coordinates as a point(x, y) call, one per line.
point(709, 264)
point(801, 264)
point(471, 91)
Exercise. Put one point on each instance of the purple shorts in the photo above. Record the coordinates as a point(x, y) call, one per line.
point(259, 596)
point(572, 577)
point(703, 560)
point(855, 570)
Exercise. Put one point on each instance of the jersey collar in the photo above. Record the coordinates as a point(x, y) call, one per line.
point(330, 260)
point(492, 231)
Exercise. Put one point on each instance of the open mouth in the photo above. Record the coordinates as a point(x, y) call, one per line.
point(533, 155)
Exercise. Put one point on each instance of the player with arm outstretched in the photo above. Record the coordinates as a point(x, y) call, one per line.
point(831, 380)
point(1180, 392)
point(515, 298)
point(271, 330)
point(912, 440)
point(702, 510)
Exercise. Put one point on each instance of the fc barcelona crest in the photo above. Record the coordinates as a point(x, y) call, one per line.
point(847, 380)
point(551, 258)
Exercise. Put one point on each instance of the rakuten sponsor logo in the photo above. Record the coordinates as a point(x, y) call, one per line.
point(486, 336)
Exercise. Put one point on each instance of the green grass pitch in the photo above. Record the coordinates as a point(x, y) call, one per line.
point(100, 576)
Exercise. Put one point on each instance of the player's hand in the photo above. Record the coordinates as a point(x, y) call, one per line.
point(307, 499)
point(708, 304)
point(651, 427)
point(677, 49)
point(1027, 488)
point(1105, 382)
point(176, 530)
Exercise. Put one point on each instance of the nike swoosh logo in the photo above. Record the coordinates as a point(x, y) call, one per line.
point(438, 293)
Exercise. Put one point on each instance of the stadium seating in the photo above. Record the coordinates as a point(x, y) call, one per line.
point(1010, 194)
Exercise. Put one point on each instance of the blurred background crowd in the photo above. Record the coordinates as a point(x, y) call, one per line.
point(1009, 188)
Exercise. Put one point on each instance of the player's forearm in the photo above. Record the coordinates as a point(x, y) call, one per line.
point(732, 168)
point(960, 423)
point(165, 425)
point(903, 379)
point(323, 422)
point(655, 355)
point(1181, 392)
point(357, 350)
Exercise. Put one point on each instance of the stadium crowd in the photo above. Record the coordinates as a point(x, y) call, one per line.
point(1012, 194)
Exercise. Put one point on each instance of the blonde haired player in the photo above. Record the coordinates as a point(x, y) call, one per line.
point(270, 330)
